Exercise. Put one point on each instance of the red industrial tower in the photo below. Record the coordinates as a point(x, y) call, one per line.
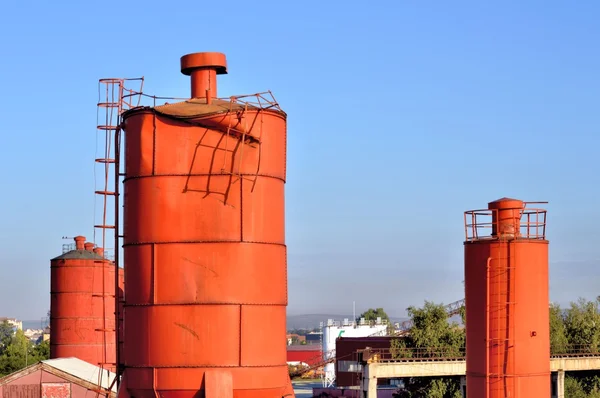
point(506, 282)
point(82, 306)
point(204, 244)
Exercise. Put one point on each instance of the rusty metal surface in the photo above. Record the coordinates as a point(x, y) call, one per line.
point(21, 391)
point(121, 302)
point(56, 390)
point(204, 244)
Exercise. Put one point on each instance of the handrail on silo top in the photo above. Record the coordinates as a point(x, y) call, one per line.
point(531, 224)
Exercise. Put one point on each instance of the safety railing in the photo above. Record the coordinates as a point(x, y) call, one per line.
point(576, 350)
point(530, 223)
point(362, 322)
point(424, 354)
point(67, 247)
point(134, 98)
point(265, 100)
point(409, 354)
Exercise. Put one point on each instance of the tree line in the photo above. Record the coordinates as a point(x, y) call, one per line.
point(575, 329)
point(17, 351)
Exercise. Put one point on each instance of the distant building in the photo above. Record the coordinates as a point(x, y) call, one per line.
point(13, 322)
point(295, 339)
point(314, 338)
point(62, 377)
point(46, 335)
point(33, 334)
point(310, 355)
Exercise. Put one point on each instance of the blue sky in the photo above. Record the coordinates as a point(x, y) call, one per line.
point(402, 115)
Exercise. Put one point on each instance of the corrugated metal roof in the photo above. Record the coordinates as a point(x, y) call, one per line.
point(79, 255)
point(197, 107)
point(82, 370)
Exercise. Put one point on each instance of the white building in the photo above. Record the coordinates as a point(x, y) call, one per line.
point(334, 329)
point(13, 322)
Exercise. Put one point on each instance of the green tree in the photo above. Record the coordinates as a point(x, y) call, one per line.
point(582, 325)
point(6, 334)
point(430, 336)
point(21, 352)
point(582, 385)
point(41, 351)
point(577, 329)
point(463, 315)
point(373, 313)
point(573, 388)
point(558, 333)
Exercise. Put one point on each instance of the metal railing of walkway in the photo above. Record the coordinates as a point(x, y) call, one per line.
point(437, 354)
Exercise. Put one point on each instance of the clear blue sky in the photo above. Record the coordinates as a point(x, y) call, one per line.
point(402, 115)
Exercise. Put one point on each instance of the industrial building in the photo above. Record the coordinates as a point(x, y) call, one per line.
point(205, 271)
point(506, 262)
point(204, 248)
point(332, 330)
point(58, 378)
point(309, 354)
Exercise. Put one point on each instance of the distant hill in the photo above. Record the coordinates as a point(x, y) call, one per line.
point(310, 321)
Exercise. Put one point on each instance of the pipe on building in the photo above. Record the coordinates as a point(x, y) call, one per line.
point(80, 242)
point(99, 251)
point(203, 69)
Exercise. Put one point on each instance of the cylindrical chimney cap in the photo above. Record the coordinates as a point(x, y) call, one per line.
point(505, 203)
point(208, 60)
point(89, 246)
point(99, 251)
point(79, 242)
point(506, 217)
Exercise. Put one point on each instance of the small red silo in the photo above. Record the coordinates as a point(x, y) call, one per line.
point(507, 318)
point(204, 245)
point(79, 325)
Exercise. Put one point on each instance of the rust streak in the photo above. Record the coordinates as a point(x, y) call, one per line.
point(188, 329)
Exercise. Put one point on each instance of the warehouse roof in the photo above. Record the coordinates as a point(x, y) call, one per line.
point(79, 255)
point(72, 369)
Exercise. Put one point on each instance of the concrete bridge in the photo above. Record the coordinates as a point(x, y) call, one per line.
point(457, 367)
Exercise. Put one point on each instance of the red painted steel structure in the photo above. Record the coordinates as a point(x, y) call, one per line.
point(80, 286)
point(114, 99)
point(121, 302)
point(204, 244)
point(506, 280)
point(347, 365)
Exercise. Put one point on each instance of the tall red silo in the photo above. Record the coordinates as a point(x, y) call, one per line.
point(204, 244)
point(82, 306)
point(507, 318)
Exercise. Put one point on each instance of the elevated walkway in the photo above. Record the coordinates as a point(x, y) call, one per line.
point(426, 368)
point(457, 367)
